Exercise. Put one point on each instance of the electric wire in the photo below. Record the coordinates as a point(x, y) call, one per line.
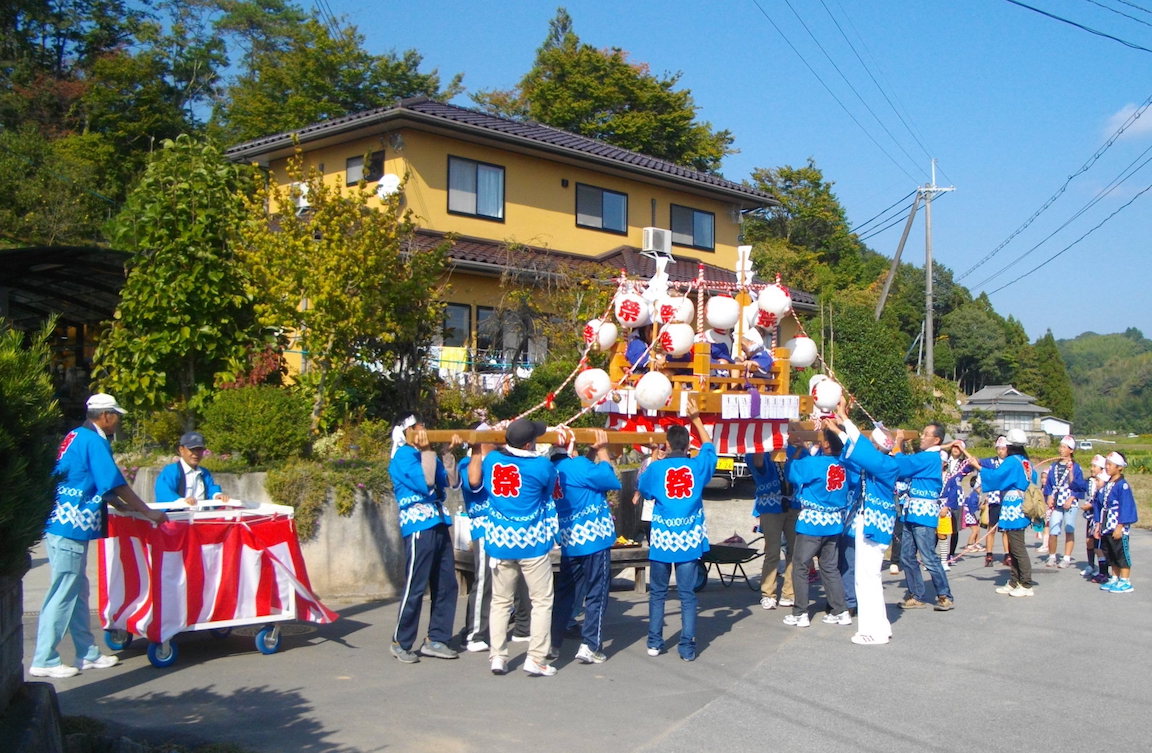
point(831, 93)
point(883, 92)
point(1082, 27)
point(848, 83)
point(885, 210)
point(1059, 253)
point(1064, 186)
point(1116, 182)
point(896, 221)
point(1134, 5)
point(884, 223)
point(1118, 12)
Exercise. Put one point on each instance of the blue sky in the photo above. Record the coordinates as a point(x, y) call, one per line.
point(1009, 102)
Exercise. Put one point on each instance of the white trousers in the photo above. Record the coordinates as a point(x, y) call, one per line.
point(871, 613)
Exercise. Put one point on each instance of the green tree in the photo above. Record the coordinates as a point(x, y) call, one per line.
point(869, 364)
point(185, 319)
point(979, 342)
point(28, 435)
point(339, 278)
point(1046, 378)
point(298, 70)
point(805, 237)
point(603, 95)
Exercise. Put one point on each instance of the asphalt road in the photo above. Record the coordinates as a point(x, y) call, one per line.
point(1067, 670)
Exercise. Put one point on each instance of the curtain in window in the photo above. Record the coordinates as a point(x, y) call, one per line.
point(461, 186)
point(490, 191)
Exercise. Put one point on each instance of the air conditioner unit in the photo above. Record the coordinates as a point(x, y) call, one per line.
point(657, 240)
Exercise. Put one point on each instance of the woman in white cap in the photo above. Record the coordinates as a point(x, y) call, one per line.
point(1064, 488)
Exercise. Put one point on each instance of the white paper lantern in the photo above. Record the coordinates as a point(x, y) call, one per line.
point(653, 390)
point(592, 384)
point(754, 316)
point(815, 380)
point(722, 312)
point(827, 395)
point(676, 339)
point(602, 333)
point(774, 299)
point(632, 310)
point(802, 350)
point(667, 310)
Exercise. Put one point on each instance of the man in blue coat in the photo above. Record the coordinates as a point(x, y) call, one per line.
point(88, 479)
point(923, 471)
point(186, 479)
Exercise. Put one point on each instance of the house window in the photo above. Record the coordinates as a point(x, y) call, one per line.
point(601, 209)
point(475, 188)
point(355, 171)
point(457, 325)
point(691, 227)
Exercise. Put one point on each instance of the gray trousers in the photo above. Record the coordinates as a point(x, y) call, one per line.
point(824, 548)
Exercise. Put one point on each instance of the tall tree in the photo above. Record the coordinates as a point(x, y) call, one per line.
point(869, 362)
point(297, 70)
point(603, 95)
point(1044, 376)
point(185, 319)
point(317, 275)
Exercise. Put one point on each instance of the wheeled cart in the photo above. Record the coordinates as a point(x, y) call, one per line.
point(206, 569)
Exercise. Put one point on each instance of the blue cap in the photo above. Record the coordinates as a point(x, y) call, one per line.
point(192, 440)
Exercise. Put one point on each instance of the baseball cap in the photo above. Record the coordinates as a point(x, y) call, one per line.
point(104, 402)
point(522, 431)
point(192, 440)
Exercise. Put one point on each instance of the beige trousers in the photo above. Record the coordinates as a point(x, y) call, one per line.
point(538, 575)
point(772, 526)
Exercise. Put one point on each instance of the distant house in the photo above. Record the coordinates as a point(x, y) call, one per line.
point(1008, 408)
point(1056, 427)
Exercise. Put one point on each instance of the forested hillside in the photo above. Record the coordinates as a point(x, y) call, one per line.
point(1111, 380)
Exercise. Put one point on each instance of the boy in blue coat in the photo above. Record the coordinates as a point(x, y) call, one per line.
point(679, 536)
point(1116, 512)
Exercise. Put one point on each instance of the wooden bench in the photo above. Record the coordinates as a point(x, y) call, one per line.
point(623, 557)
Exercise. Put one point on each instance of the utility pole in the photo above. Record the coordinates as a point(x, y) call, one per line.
point(929, 194)
point(896, 259)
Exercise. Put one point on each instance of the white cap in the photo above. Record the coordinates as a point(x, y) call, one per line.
point(1017, 437)
point(1098, 461)
point(1068, 442)
point(102, 401)
point(880, 437)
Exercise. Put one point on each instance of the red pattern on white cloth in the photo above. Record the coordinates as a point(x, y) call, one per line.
point(731, 437)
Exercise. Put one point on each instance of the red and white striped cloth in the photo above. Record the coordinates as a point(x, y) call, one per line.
point(731, 437)
point(157, 581)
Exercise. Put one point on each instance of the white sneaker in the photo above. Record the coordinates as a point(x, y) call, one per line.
point(587, 656)
point(1042, 549)
point(476, 646)
point(1067, 562)
point(59, 672)
point(521, 638)
point(861, 639)
point(844, 618)
point(1005, 589)
point(946, 566)
point(767, 602)
point(785, 603)
point(104, 662)
point(538, 670)
point(498, 665)
point(797, 621)
point(1051, 562)
point(894, 569)
point(1021, 591)
point(653, 652)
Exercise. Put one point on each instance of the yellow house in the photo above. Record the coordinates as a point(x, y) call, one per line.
point(516, 194)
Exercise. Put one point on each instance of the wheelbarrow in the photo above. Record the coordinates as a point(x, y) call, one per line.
point(735, 555)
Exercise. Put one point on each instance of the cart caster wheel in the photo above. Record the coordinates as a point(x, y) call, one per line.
point(701, 577)
point(220, 632)
point(268, 640)
point(162, 654)
point(117, 640)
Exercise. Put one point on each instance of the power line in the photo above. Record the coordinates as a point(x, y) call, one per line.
point(1082, 27)
point(830, 92)
point(1054, 256)
point(1119, 12)
point(903, 198)
point(849, 83)
point(1060, 191)
point(1116, 182)
point(1134, 5)
point(893, 223)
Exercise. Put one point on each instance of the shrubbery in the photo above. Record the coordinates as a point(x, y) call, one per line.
point(263, 424)
point(29, 434)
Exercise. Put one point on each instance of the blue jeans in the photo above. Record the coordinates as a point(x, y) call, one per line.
point(659, 573)
point(582, 580)
point(922, 539)
point(66, 603)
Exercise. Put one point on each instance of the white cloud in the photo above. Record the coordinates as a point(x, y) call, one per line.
point(1141, 127)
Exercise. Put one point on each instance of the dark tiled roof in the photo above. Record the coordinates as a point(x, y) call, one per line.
point(477, 252)
point(493, 126)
